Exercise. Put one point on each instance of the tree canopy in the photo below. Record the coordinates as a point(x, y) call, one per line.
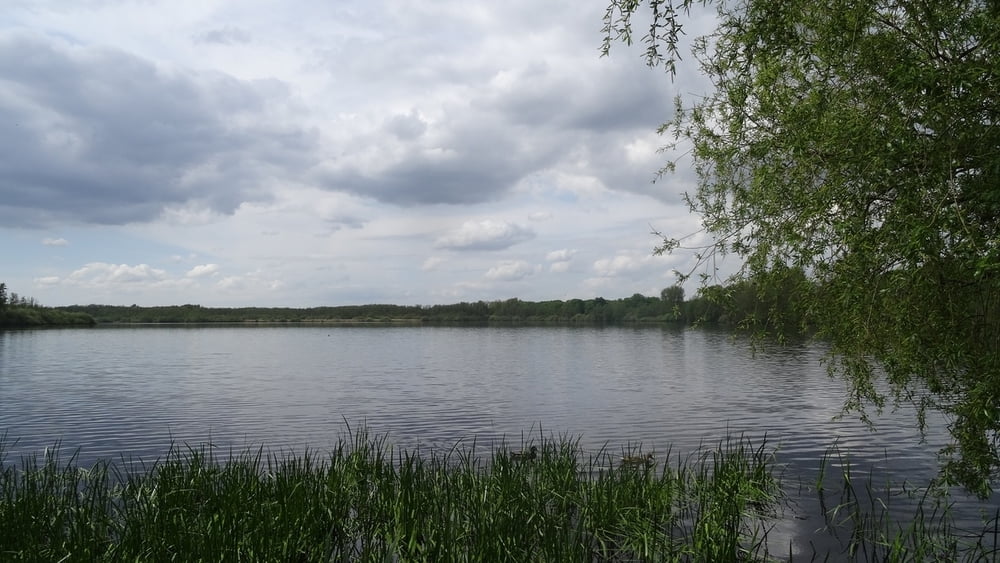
point(858, 141)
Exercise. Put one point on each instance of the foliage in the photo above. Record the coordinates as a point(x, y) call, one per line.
point(858, 141)
point(366, 501)
point(22, 317)
point(637, 308)
point(673, 295)
point(17, 312)
point(740, 305)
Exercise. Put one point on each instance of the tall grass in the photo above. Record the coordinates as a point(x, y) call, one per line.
point(897, 523)
point(367, 501)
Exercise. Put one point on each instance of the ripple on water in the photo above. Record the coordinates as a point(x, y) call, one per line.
point(136, 391)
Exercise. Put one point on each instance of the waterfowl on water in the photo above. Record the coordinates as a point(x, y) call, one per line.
point(635, 460)
point(523, 456)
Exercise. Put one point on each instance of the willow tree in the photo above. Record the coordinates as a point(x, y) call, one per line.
point(859, 141)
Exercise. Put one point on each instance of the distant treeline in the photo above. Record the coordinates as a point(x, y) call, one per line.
point(740, 304)
point(18, 311)
point(18, 317)
point(634, 309)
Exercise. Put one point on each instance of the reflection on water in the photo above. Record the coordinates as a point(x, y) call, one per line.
point(133, 391)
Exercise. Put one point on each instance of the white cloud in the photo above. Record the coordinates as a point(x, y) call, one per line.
point(101, 278)
point(100, 273)
point(560, 260)
point(510, 271)
point(562, 255)
point(627, 264)
point(55, 241)
point(232, 283)
point(432, 263)
point(485, 235)
point(203, 270)
point(249, 282)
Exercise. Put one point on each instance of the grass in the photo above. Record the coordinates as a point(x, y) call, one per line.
point(367, 501)
point(898, 523)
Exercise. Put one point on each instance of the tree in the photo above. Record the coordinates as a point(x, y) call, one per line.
point(860, 142)
point(673, 295)
point(3, 296)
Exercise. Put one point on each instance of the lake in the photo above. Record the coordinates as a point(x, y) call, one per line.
point(132, 391)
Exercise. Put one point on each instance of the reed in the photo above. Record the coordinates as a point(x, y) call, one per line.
point(897, 522)
point(366, 500)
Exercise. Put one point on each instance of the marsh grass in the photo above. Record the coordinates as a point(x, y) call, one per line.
point(368, 501)
point(897, 523)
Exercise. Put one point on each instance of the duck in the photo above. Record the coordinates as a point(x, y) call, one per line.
point(525, 456)
point(636, 461)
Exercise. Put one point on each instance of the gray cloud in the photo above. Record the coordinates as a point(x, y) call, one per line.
point(101, 136)
point(406, 127)
point(510, 271)
point(227, 35)
point(485, 235)
point(344, 221)
point(509, 124)
point(598, 98)
point(471, 159)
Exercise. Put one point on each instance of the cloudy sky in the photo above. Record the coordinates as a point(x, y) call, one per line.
point(329, 152)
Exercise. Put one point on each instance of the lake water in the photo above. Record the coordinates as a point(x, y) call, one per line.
point(134, 391)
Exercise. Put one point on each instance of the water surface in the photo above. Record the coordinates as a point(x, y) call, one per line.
point(134, 391)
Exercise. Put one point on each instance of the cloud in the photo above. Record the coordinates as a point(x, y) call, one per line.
point(406, 127)
point(203, 270)
point(227, 35)
point(55, 241)
point(432, 263)
point(560, 260)
point(529, 118)
point(626, 264)
point(103, 136)
point(607, 97)
point(402, 110)
point(485, 235)
point(561, 255)
point(510, 271)
point(469, 159)
point(232, 283)
point(339, 146)
point(100, 272)
point(249, 281)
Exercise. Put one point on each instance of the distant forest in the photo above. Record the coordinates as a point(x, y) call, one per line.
point(18, 311)
point(739, 304)
point(742, 304)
